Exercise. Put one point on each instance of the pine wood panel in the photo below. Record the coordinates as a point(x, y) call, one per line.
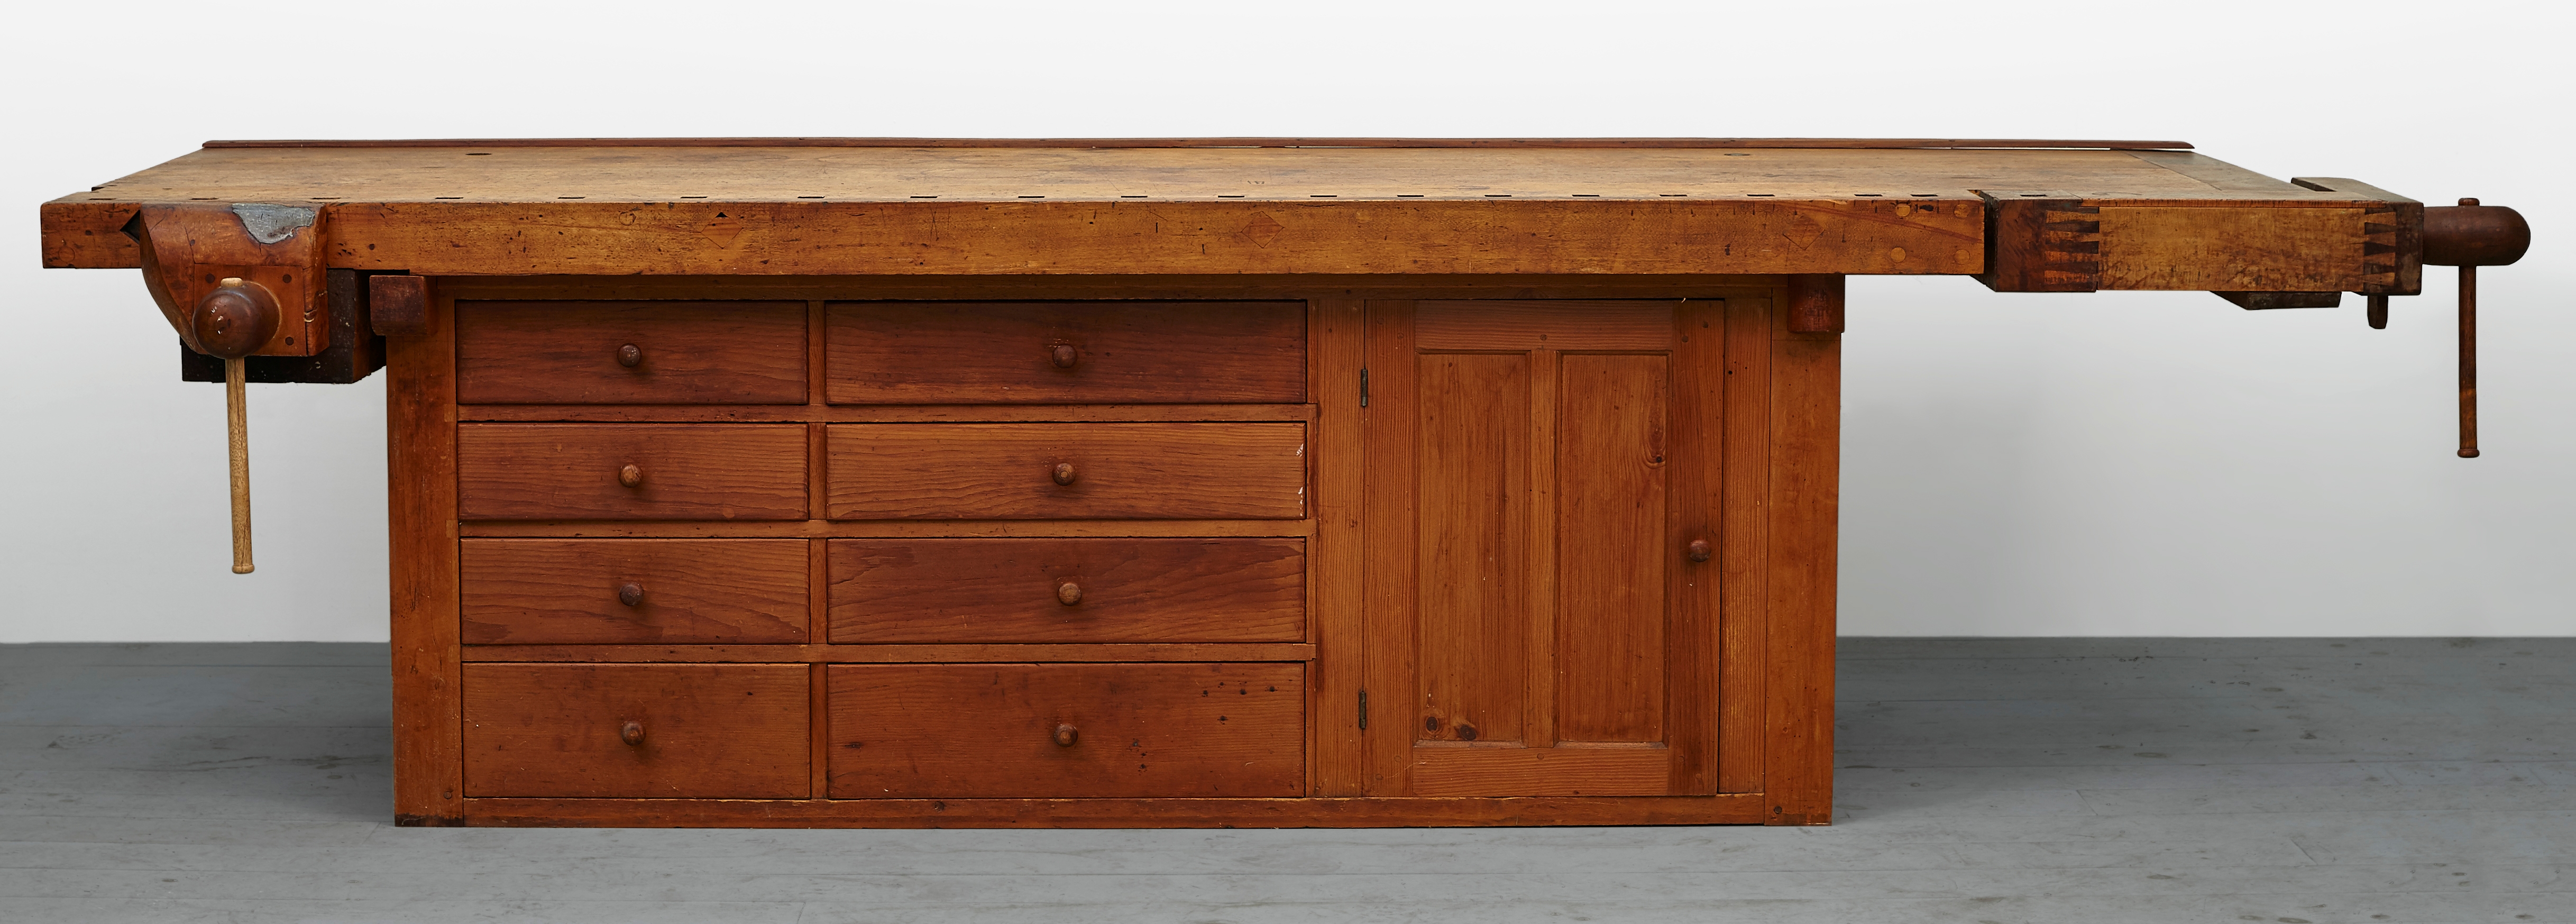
point(1336, 751)
point(1008, 590)
point(1443, 772)
point(898, 654)
point(1472, 629)
point(1744, 548)
point(1164, 730)
point(1192, 287)
point(693, 591)
point(1121, 471)
point(1121, 352)
point(1118, 813)
point(420, 464)
point(1390, 525)
point(1695, 477)
point(1806, 430)
point(887, 529)
point(533, 471)
point(566, 352)
point(1613, 550)
point(1524, 325)
point(730, 731)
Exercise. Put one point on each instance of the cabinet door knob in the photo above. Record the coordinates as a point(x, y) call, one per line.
point(630, 356)
point(1698, 550)
point(630, 476)
point(1065, 735)
point(1068, 593)
point(630, 593)
point(1063, 473)
point(1064, 355)
point(632, 732)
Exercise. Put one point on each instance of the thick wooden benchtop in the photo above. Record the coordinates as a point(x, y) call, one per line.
point(2132, 214)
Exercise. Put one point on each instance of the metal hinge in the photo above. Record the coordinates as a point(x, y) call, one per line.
point(1363, 710)
point(1363, 403)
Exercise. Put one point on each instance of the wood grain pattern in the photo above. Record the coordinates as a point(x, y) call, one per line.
point(687, 352)
point(1006, 590)
point(1188, 287)
point(1122, 352)
point(420, 454)
point(1166, 730)
point(1118, 813)
point(1123, 471)
point(1806, 432)
point(532, 471)
point(1744, 547)
point(1336, 750)
point(885, 529)
point(885, 413)
point(897, 654)
point(1446, 772)
point(1613, 553)
point(1642, 143)
point(2194, 249)
point(694, 591)
point(729, 731)
point(1472, 628)
point(1523, 325)
point(1390, 530)
point(1695, 479)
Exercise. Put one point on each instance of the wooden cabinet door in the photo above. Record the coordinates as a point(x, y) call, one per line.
point(1542, 475)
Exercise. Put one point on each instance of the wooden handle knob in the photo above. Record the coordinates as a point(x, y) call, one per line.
point(1068, 593)
point(630, 356)
point(1066, 735)
point(1698, 550)
point(630, 594)
point(1064, 355)
point(632, 732)
point(1063, 473)
point(630, 476)
point(235, 319)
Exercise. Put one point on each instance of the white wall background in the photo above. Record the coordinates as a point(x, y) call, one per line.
point(2108, 464)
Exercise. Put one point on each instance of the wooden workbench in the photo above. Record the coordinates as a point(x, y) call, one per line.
point(1107, 483)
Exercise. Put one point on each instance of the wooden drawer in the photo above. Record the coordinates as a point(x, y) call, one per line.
point(1067, 590)
point(634, 591)
point(705, 731)
point(530, 471)
point(684, 353)
point(1066, 730)
point(1123, 471)
point(1066, 352)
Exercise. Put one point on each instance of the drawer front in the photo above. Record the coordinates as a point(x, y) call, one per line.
point(634, 591)
point(682, 353)
point(1067, 590)
point(704, 731)
point(1066, 730)
point(514, 471)
point(1066, 352)
point(1049, 471)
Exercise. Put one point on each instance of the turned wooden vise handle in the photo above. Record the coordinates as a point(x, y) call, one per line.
point(231, 322)
point(2467, 236)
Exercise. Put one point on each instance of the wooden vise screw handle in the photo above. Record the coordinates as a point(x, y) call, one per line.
point(233, 321)
point(2468, 236)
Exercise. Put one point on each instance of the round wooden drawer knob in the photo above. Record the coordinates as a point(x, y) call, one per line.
point(1066, 735)
point(1064, 355)
point(632, 732)
point(631, 476)
point(1698, 550)
point(630, 593)
point(630, 356)
point(1063, 473)
point(1068, 593)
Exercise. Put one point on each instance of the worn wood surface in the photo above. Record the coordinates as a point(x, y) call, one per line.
point(1067, 730)
point(1855, 144)
point(717, 731)
point(1119, 352)
point(1120, 471)
point(691, 591)
point(421, 528)
point(901, 653)
point(1798, 659)
point(907, 413)
point(684, 352)
point(1336, 749)
point(1450, 772)
point(866, 529)
point(1744, 546)
point(531, 471)
point(1011, 590)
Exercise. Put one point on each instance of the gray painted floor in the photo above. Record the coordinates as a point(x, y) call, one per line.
point(1985, 781)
